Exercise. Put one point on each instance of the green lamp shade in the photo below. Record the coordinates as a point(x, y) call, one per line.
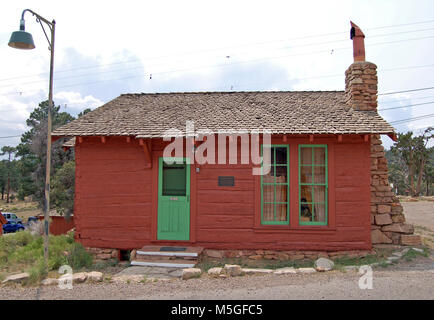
point(21, 40)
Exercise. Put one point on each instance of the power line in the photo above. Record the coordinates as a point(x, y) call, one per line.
point(7, 137)
point(408, 106)
point(250, 44)
point(404, 91)
point(413, 119)
point(229, 64)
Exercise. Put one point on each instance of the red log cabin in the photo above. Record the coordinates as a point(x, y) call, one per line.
point(315, 193)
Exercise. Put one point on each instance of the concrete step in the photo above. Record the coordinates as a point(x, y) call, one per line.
point(164, 263)
point(167, 256)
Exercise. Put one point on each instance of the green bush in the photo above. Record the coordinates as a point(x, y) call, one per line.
point(37, 272)
point(23, 250)
point(79, 257)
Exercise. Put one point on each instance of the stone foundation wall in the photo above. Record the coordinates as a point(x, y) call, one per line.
point(103, 253)
point(387, 216)
point(283, 255)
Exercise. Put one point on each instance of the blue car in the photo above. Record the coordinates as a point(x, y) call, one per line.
point(12, 226)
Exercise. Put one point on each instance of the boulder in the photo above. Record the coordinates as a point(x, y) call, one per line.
point(232, 270)
point(323, 264)
point(215, 272)
point(189, 273)
point(16, 277)
point(255, 257)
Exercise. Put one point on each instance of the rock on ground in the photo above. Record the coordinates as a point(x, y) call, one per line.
point(94, 276)
point(323, 264)
point(233, 270)
point(79, 277)
point(215, 272)
point(189, 273)
point(256, 271)
point(286, 270)
point(306, 270)
point(16, 277)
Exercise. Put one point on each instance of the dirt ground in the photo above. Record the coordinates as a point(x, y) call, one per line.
point(421, 215)
point(393, 283)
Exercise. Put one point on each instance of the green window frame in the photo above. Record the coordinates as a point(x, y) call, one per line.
point(315, 166)
point(274, 167)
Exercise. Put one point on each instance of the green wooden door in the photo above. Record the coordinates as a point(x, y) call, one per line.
point(173, 199)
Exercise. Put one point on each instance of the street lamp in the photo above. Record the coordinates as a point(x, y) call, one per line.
point(24, 40)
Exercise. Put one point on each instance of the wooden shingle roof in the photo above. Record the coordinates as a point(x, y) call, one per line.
point(281, 112)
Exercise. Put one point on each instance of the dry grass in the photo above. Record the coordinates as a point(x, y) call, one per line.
point(23, 209)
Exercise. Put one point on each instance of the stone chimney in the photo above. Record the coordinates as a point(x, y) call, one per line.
point(361, 77)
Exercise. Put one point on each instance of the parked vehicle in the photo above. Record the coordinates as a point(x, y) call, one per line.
point(12, 226)
point(12, 217)
point(31, 220)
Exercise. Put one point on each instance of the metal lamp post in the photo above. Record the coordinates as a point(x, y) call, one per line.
point(24, 40)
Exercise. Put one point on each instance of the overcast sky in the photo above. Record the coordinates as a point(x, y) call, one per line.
point(107, 48)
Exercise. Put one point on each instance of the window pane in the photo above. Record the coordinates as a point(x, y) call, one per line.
point(319, 195)
point(319, 212)
point(319, 175)
point(268, 174)
point(268, 193)
point(268, 212)
point(319, 155)
point(305, 194)
point(281, 194)
point(174, 179)
point(281, 155)
point(281, 174)
point(306, 155)
point(306, 174)
point(305, 212)
point(281, 212)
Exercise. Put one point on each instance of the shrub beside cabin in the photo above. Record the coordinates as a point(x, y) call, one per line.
point(324, 189)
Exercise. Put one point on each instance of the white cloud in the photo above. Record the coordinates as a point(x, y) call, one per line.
point(74, 102)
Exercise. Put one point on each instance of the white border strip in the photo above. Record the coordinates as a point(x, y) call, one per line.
point(168, 253)
point(161, 264)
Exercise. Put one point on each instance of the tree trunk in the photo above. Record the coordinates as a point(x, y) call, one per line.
point(411, 175)
point(419, 178)
point(9, 188)
point(9, 179)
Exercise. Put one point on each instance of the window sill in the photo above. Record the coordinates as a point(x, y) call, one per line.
point(298, 229)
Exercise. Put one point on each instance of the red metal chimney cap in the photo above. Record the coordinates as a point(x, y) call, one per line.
point(358, 38)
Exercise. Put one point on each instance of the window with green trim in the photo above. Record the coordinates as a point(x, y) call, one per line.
point(313, 184)
point(275, 186)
